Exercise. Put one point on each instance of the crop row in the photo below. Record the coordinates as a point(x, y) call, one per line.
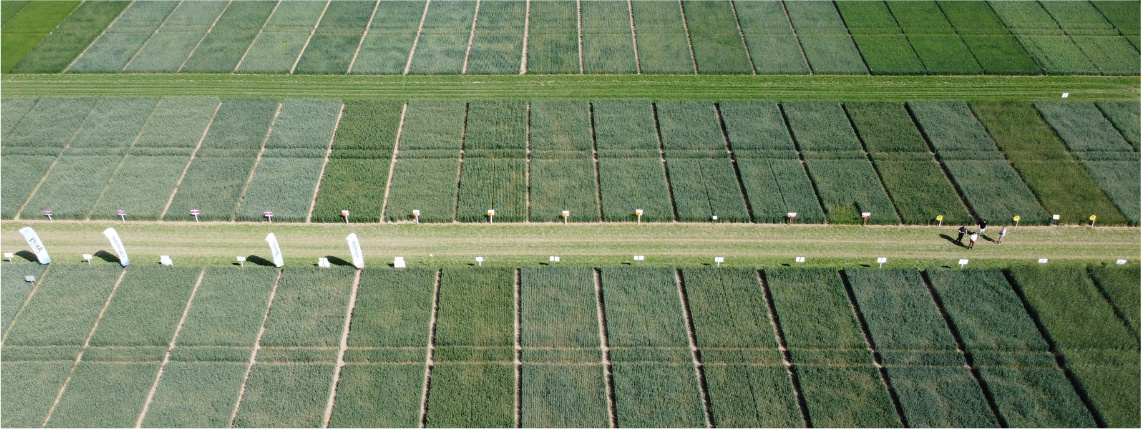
point(741, 161)
point(478, 329)
point(558, 37)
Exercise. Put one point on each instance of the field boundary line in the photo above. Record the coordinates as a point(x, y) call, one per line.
point(65, 18)
point(733, 160)
point(517, 353)
point(737, 18)
point(871, 160)
point(1058, 25)
point(526, 34)
point(665, 166)
point(594, 151)
point(96, 39)
point(581, 66)
point(848, 31)
point(899, 27)
point(254, 353)
point(256, 36)
point(392, 164)
point(37, 103)
point(471, 37)
point(431, 350)
point(126, 154)
point(939, 160)
point(203, 38)
point(321, 175)
point(419, 30)
point(782, 345)
point(23, 305)
point(344, 346)
point(803, 164)
point(254, 169)
point(193, 154)
point(367, 26)
point(796, 36)
point(634, 36)
point(877, 361)
point(1053, 348)
point(960, 346)
point(604, 348)
point(169, 349)
point(153, 33)
point(460, 169)
point(54, 161)
point(688, 39)
point(1117, 311)
point(527, 172)
point(86, 343)
point(311, 33)
point(691, 335)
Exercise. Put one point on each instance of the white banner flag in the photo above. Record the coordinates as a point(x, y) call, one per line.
point(37, 245)
point(355, 250)
point(117, 244)
point(274, 249)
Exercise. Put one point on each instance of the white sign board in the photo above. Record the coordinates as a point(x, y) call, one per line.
point(800, 259)
point(165, 260)
point(323, 263)
point(881, 260)
point(37, 245)
point(30, 279)
point(963, 263)
point(1120, 262)
point(719, 259)
point(242, 261)
point(355, 250)
point(275, 250)
point(87, 257)
point(8, 256)
point(479, 260)
point(639, 257)
point(117, 244)
point(398, 262)
point(1056, 217)
point(1043, 260)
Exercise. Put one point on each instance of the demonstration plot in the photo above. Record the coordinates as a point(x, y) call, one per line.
point(387, 43)
point(882, 44)
point(1039, 33)
point(933, 38)
point(226, 44)
point(553, 38)
point(663, 44)
point(991, 44)
point(607, 38)
point(716, 38)
point(497, 45)
point(442, 46)
point(358, 167)
point(770, 38)
point(173, 42)
point(825, 40)
point(25, 25)
point(115, 48)
point(335, 41)
point(278, 45)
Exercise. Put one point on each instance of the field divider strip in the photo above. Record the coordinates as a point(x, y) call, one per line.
point(419, 30)
point(877, 360)
point(517, 353)
point(257, 36)
point(1117, 310)
point(604, 347)
point(344, 346)
point(126, 154)
point(169, 349)
point(665, 166)
point(257, 161)
point(526, 34)
point(153, 33)
point(204, 35)
point(193, 154)
point(872, 161)
point(848, 31)
point(86, 343)
point(581, 66)
point(785, 355)
point(733, 160)
point(460, 169)
point(796, 36)
point(471, 37)
point(688, 39)
point(311, 33)
point(737, 18)
point(594, 152)
point(691, 335)
point(257, 347)
point(902, 32)
point(431, 350)
point(53, 163)
point(634, 36)
point(328, 153)
point(96, 39)
point(959, 35)
point(392, 164)
point(961, 347)
point(24, 305)
point(367, 27)
point(527, 172)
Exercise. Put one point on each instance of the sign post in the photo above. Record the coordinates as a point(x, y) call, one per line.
point(37, 246)
point(566, 214)
point(274, 249)
point(122, 215)
point(241, 261)
point(345, 214)
point(639, 257)
point(490, 216)
point(416, 215)
point(195, 213)
point(940, 219)
point(1043, 261)
point(881, 261)
point(268, 216)
point(1054, 220)
point(719, 260)
point(165, 260)
point(355, 250)
point(791, 216)
point(117, 244)
point(715, 218)
point(1016, 219)
point(866, 215)
point(1092, 220)
point(963, 263)
point(48, 213)
point(398, 262)
point(87, 258)
point(479, 260)
point(639, 213)
point(8, 256)
point(800, 259)
point(554, 259)
point(323, 263)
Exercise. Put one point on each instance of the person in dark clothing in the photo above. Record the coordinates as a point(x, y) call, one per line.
point(982, 227)
point(962, 232)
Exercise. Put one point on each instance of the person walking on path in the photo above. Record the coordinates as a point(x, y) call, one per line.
point(974, 236)
point(962, 231)
point(982, 227)
point(1001, 235)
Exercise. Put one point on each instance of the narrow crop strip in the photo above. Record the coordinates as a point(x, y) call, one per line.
point(169, 349)
point(257, 347)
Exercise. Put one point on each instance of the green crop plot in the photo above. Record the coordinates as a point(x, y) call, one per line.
point(416, 185)
point(499, 126)
point(285, 394)
point(1097, 38)
point(1039, 33)
point(813, 308)
point(309, 308)
point(433, 125)
point(15, 290)
point(1126, 117)
point(278, 46)
point(30, 387)
point(607, 38)
point(1124, 16)
point(552, 41)
point(772, 43)
point(643, 308)
point(388, 41)
point(14, 108)
point(225, 46)
point(1035, 396)
point(1053, 291)
point(336, 38)
point(450, 403)
point(898, 310)
point(717, 47)
point(825, 40)
point(580, 400)
point(728, 308)
point(121, 41)
point(1107, 379)
point(357, 170)
point(196, 393)
point(228, 308)
point(663, 44)
point(992, 45)
point(393, 308)
point(632, 183)
point(22, 173)
point(933, 38)
point(497, 46)
point(1083, 127)
point(493, 184)
point(162, 291)
point(29, 24)
point(846, 396)
point(706, 187)
point(64, 307)
point(777, 187)
point(173, 42)
point(657, 395)
point(476, 308)
point(1117, 285)
point(940, 396)
point(558, 307)
point(442, 44)
point(378, 395)
point(625, 125)
point(563, 184)
point(884, 47)
point(104, 394)
point(689, 125)
point(751, 395)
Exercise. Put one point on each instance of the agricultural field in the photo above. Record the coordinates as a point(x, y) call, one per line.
point(573, 37)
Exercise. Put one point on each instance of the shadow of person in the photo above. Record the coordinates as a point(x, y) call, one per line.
point(258, 260)
point(952, 240)
point(107, 257)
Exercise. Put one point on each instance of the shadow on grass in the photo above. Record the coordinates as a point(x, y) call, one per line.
point(952, 240)
point(26, 255)
point(107, 257)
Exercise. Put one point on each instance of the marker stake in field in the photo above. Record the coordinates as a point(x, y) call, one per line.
point(491, 216)
point(345, 214)
point(268, 216)
point(479, 260)
point(274, 249)
point(117, 244)
point(566, 214)
point(35, 243)
point(1016, 219)
point(963, 263)
point(241, 261)
point(639, 213)
point(940, 219)
point(48, 213)
point(195, 213)
point(355, 250)
point(1054, 220)
point(639, 257)
point(800, 259)
point(791, 216)
point(122, 215)
point(881, 261)
point(1092, 220)
point(866, 215)
point(719, 260)
point(715, 218)
point(416, 215)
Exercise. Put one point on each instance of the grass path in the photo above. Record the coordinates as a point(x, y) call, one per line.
point(703, 87)
point(591, 244)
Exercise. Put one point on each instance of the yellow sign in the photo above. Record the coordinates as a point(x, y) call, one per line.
point(1017, 218)
point(939, 218)
point(1093, 217)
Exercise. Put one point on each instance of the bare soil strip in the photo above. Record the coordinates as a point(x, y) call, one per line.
point(257, 347)
point(169, 349)
point(257, 161)
point(256, 36)
point(688, 39)
point(311, 33)
point(785, 356)
point(420, 29)
point(428, 359)
point(392, 164)
point(471, 37)
point(740, 31)
point(341, 351)
point(321, 175)
point(604, 345)
point(698, 368)
point(526, 33)
point(363, 36)
point(634, 36)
